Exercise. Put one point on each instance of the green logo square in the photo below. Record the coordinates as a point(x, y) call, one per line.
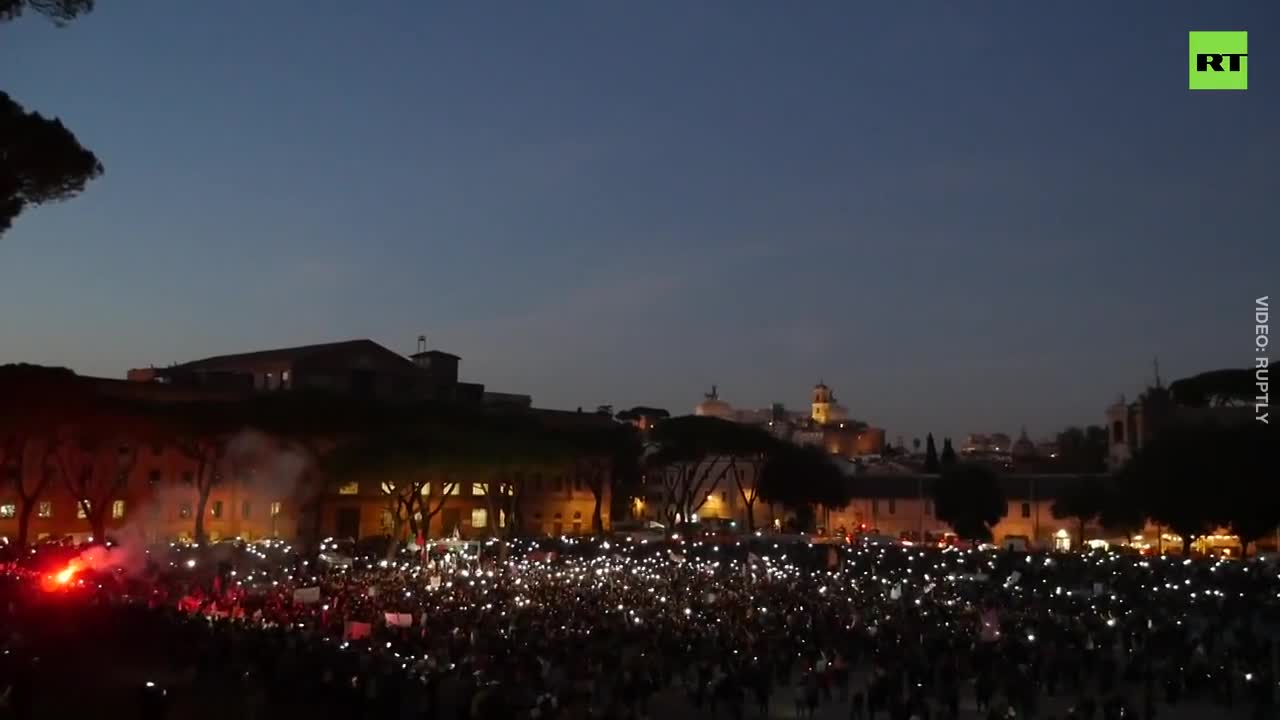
point(1219, 60)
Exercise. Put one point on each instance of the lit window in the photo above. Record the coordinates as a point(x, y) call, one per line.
point(502, 518)
point(8, 510)
point(426, 489)
point(388, 487)
point(479, 517)
point(44, 509)
point(275, 509)
point(454, 489)
point(478, 489)
point(80, 507)
point(215, 509)
point(351, 488)
point(284, 379)
point(117, 509)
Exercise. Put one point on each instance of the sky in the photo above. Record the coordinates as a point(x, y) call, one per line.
point(964, 217)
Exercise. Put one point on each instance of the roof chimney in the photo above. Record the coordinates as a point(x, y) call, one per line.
point(422, 343)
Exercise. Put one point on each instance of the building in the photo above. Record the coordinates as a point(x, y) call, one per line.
point(827, 424)
point(360, 368)
point(898, 505)
point(264, 486)
point(986, 444)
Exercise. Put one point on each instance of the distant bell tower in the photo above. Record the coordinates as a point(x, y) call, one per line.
point(822, 400)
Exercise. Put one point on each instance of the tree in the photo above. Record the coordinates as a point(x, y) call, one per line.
point(38, 401)
point(948, 453)
point(95, 455)
point(60, 11)
point(1216, 388)
point(1083, 502)
point(1170, 476)
point(1081, 450)
point(1251, 484)
point(602, 456)
point(694, 455)
point(930, 455)
point(202, 433)
point(41, 160)
point(799, 477)
point(970, 499)
point(402, 464)
point(1122, 507)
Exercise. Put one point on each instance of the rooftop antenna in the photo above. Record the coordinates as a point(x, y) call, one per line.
point(422, 343)
point(1156, 363)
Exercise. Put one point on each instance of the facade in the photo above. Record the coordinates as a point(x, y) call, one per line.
point(898, 505)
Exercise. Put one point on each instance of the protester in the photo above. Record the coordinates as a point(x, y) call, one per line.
point(594, 630)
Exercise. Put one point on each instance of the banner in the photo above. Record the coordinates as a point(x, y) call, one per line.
point(399, 619)
point(356, 630)
point(307, 596)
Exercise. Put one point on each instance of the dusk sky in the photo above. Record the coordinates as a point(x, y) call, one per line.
point(962, 220)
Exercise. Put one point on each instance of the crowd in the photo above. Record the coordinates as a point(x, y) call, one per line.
point(747, 629)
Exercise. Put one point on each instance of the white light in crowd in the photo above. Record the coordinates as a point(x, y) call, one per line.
point(191, 563)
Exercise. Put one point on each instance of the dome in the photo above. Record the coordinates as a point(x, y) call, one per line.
point(713, 406)
point(1023, 447)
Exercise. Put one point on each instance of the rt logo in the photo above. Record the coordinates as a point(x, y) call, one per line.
point(1219, 60)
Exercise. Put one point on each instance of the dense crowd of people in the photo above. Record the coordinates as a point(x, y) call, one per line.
point(593, 629)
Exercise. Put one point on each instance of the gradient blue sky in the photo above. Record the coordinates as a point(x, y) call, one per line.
point(962, 216)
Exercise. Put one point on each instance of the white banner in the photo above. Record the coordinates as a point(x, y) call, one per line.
point(399, 619)
point(307, 596)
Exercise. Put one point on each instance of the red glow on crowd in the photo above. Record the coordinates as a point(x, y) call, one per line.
point(62, 578)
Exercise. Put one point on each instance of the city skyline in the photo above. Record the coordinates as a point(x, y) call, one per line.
point(629, 206)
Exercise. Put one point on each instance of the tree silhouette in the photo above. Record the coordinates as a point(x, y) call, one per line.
point(970, 499)
point(948, 453)
point(38, 403)
point(41, 160)
point(801, 477)
point(1081, 450)
point(1083, 502)
point(930, 455)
